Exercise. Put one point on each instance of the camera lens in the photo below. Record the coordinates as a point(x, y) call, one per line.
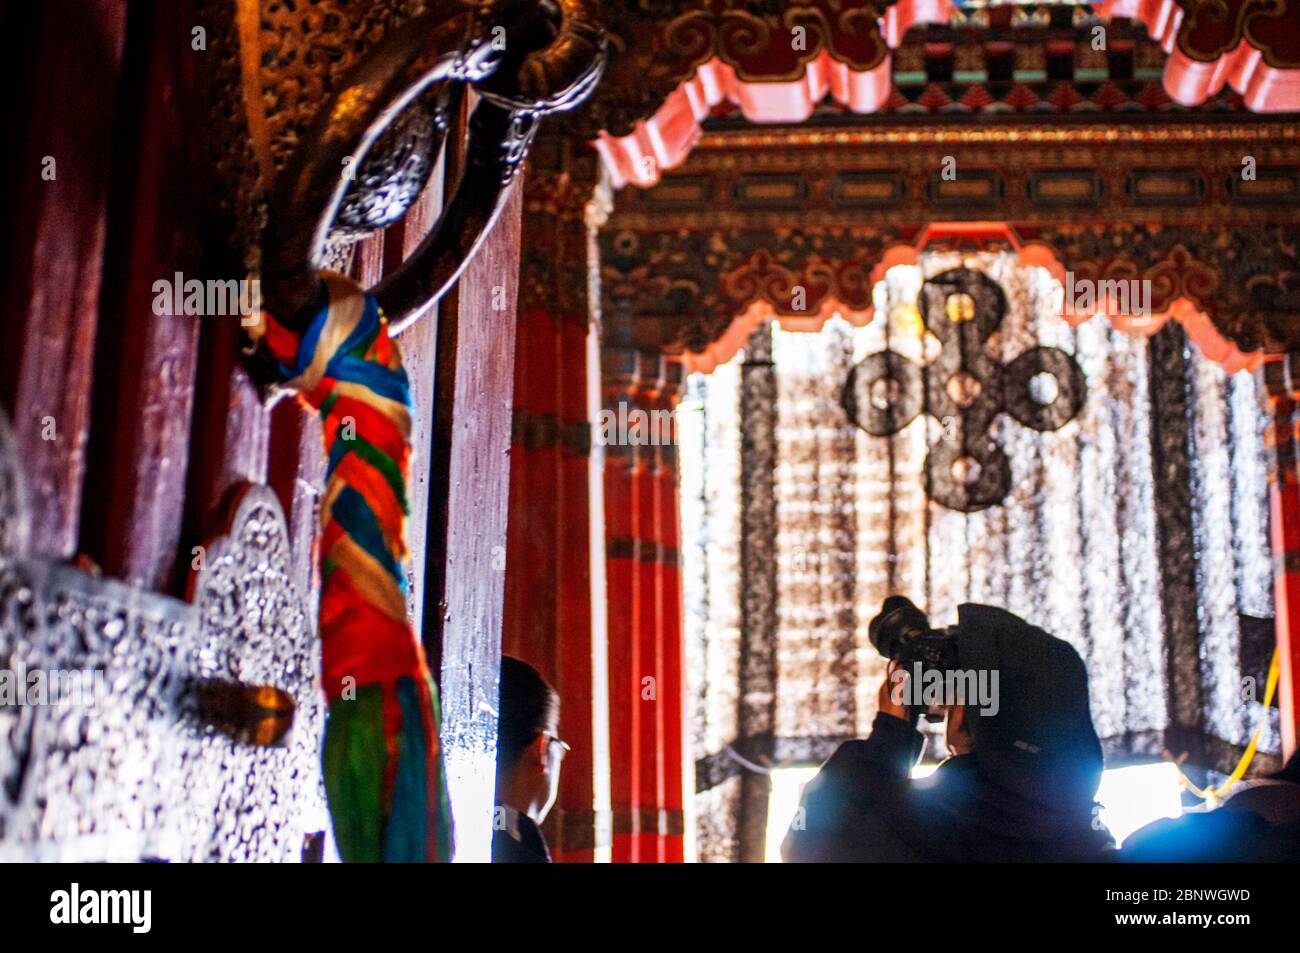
point(898, 623)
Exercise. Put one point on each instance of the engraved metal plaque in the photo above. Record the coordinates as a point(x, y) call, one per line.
point(134, 770)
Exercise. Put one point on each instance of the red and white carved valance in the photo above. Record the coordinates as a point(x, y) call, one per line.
point(1253, 48)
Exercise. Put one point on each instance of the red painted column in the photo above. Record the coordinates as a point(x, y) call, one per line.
point(672, 637)
point(532, 547)
point(579, 827)
point(623, 595)
point(638, 692)
point(520, 542)
point(1281, 383)
point(648, 636)
point(548, 561)
point(644, 606)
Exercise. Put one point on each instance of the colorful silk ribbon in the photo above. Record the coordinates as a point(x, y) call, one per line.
point(382, 761)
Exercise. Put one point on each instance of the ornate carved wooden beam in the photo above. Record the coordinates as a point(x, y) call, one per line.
point(1215, 225)
point(672, 68)
point(1254, 47)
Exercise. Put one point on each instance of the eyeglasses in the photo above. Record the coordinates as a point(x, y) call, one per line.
point(563, 745)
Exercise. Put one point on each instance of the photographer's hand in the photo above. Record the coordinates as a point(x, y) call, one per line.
point(889, 700)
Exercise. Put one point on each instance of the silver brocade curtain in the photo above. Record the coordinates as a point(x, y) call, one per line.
point(1138, 532)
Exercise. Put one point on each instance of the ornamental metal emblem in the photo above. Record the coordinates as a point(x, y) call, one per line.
point(965, 387)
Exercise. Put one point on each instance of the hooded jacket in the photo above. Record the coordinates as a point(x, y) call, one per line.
point(1025, 793)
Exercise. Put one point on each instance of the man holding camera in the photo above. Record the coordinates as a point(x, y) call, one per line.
point(1023, 772)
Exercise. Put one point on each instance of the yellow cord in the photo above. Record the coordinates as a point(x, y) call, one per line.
point(1213, 795)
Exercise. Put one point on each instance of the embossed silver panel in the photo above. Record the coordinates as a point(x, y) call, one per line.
point(139, 774)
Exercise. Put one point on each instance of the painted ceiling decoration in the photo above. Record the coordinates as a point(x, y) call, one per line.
point(965, 388)
point(673, 65)
point(691, 266)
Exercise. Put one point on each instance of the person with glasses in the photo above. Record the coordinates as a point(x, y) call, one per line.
point(529, 754)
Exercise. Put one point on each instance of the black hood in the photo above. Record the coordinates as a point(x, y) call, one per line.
point(1040, 742)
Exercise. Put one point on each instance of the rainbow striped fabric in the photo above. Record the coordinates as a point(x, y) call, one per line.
point(382, 760)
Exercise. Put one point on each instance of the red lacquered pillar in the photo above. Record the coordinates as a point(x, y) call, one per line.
point(534, 538)
point(672, 709)
point(576, 829)
point(644, 607)
point(520, 553)
point(623, 600)
point(550, 621)
point(1281, 384)
point(649, 632)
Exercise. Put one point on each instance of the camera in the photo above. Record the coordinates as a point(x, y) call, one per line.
point(903, 633)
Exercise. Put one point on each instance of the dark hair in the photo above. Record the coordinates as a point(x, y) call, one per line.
point(528, 707)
